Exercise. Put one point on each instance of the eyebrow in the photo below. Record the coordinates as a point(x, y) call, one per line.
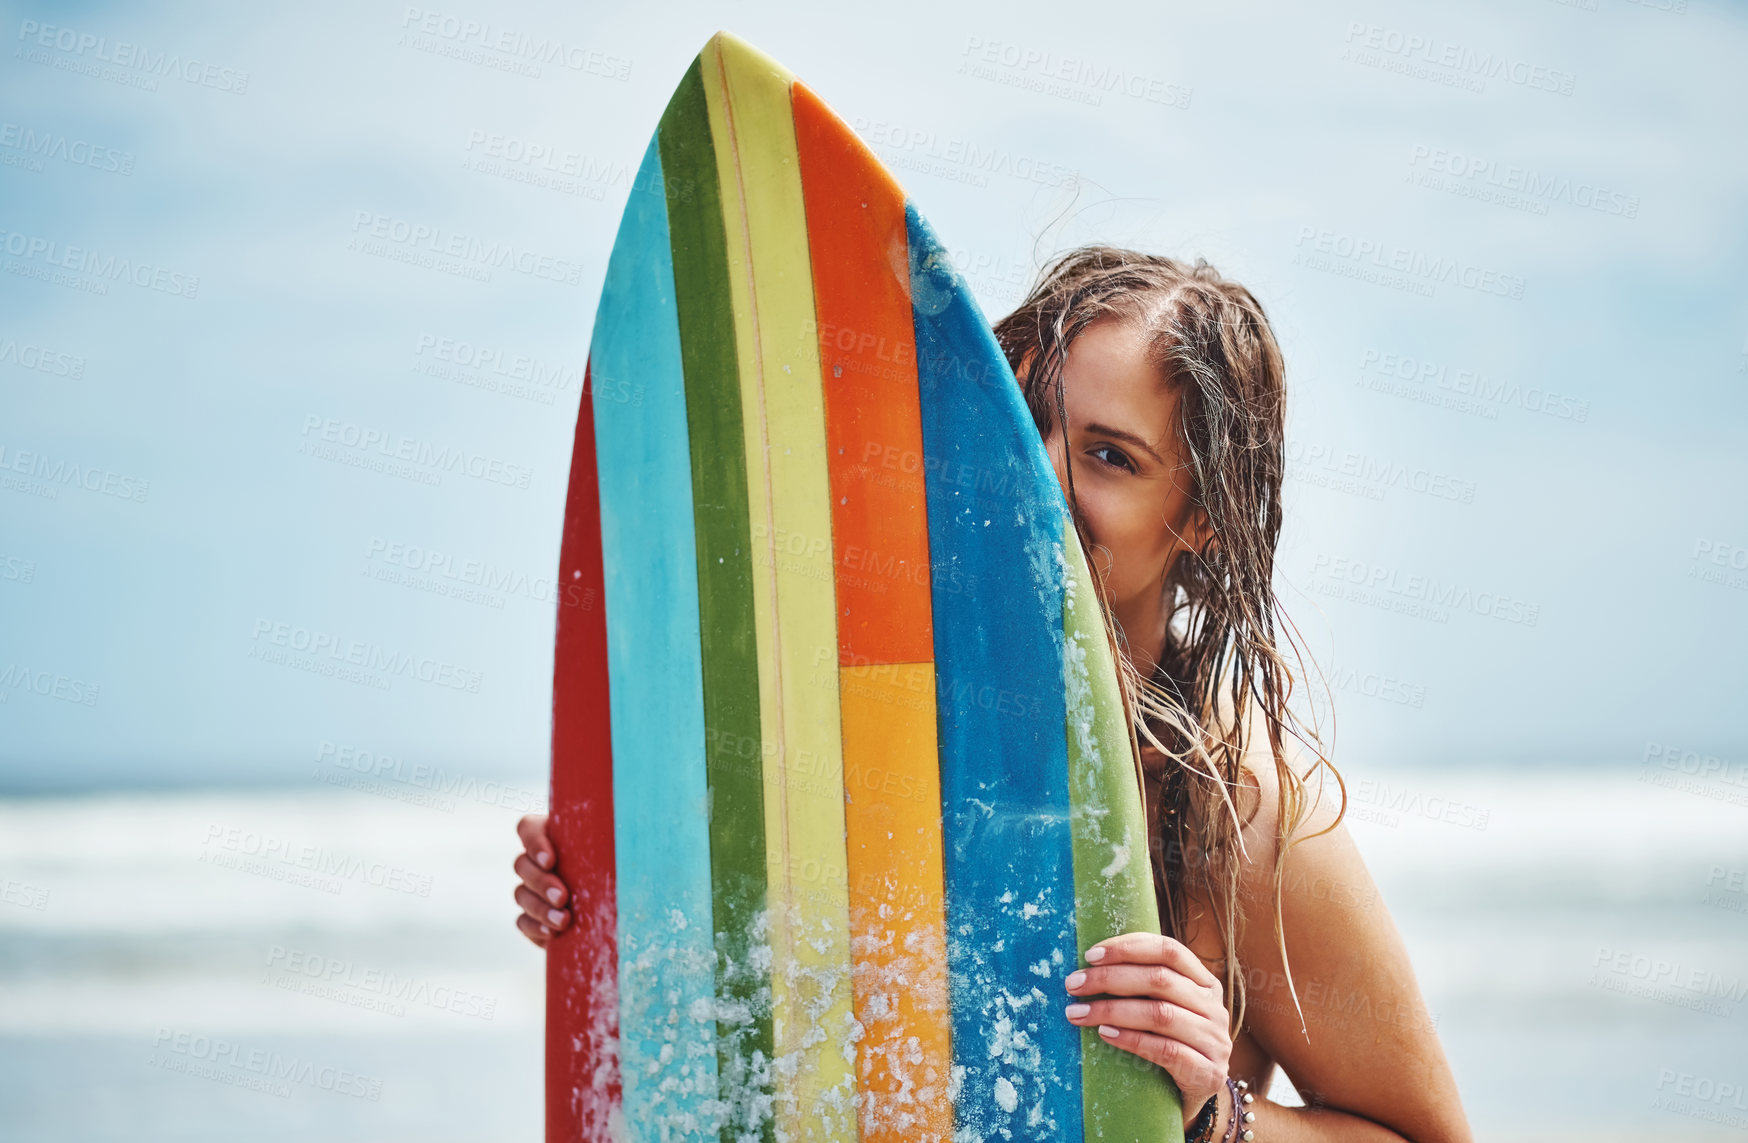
point(1131, 438)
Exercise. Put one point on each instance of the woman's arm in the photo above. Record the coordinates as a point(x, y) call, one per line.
point(1366, 1060)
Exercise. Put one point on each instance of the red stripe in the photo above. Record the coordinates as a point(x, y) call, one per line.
point(582, 983)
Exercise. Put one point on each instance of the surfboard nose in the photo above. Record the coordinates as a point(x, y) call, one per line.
point(739, 60)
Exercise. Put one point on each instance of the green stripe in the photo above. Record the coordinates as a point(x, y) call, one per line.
point(725, 607)
point(1125, 1098)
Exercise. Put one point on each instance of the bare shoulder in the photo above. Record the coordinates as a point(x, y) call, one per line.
point(1330, 992)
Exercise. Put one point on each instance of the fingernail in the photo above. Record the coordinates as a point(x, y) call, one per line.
point(555, 916)
point(1094, 955)
point(1075, 980)
point(1107, 1032)
point(555, 895)
point(544, 860)
point(1076, 1011)
point(545, 932)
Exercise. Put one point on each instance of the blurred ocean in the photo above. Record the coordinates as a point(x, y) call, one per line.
point(1582, 938)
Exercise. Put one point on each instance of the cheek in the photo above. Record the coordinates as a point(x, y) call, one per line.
point(1129, 525)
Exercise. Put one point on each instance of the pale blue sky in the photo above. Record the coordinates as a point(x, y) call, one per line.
point(1275, 139)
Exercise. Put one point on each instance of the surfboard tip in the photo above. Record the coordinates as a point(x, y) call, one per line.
point(736, 55)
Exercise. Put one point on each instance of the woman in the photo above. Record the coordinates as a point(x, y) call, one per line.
point(1158, 390)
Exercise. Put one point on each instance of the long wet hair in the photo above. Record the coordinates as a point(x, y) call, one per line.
point(1192, 719)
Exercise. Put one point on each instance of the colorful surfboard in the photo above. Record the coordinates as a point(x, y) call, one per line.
point(841, 777)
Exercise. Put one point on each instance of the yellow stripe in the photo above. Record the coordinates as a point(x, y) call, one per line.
point(771, 282)
point(892, 778)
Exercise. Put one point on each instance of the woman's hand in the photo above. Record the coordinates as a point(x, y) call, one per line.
point(1163, 1005)
point(542, 894)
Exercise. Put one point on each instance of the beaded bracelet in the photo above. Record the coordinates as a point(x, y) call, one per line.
point(1201, 1128)
point(1241, 1099)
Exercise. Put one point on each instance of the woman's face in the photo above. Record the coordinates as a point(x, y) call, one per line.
point(1130, 472)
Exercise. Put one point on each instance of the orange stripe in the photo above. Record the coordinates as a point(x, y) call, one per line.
point(892, 816)
point(867, 353)
point(898, 927)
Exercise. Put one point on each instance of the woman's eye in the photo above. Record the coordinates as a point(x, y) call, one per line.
point(1112, 457)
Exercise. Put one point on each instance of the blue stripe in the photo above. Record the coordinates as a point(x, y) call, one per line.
point(996, 522)
point(666, 932)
